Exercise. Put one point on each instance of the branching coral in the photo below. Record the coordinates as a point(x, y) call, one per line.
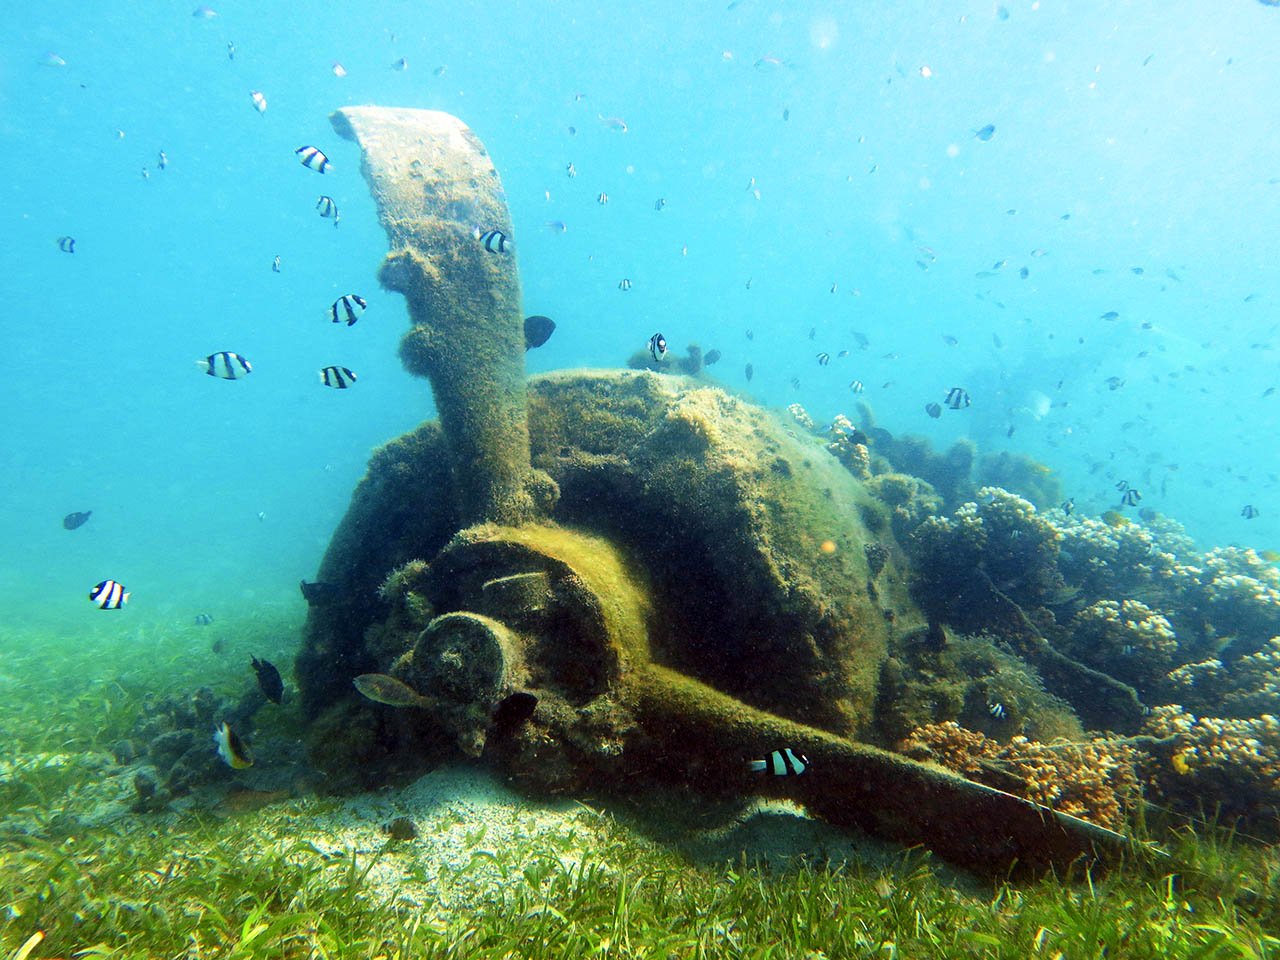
point(1233, 764)
point(1096, 779)
point(1126, 638)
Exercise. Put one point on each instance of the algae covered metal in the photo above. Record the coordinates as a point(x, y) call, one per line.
point(676, 577)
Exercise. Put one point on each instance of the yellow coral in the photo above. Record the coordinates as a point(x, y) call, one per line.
point(1096, 780)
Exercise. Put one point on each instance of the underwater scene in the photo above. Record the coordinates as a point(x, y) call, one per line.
point(747, 479)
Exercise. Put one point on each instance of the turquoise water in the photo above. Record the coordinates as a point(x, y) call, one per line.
point(1148, 124)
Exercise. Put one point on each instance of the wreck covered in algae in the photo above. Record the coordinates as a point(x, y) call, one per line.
point(683, 580)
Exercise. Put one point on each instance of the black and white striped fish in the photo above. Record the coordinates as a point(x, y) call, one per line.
point(313, 159)
point(67, 244)
point(624, 284)
point(349, 307)
point(603, 198)
point(109, 595)
point(996, 710)
point(657, 347)
point(782, 763)
point(957, 398)
point(328, 208)
point(225, 364)
point(340, 378)
point(495, 241)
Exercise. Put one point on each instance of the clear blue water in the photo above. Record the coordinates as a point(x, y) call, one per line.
point(1151, 125)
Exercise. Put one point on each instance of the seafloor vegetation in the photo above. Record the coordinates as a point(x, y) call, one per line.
point(280, 875)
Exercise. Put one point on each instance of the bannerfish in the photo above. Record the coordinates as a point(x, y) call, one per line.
point(1068, 505)
point(269, 681)
point(782, 763)
point(348, 308)
point(259, 101)
point(109, 595)
point(824, 359)
point(382, 688)
point(495, 241)
point(1249, 511)
point(624, 284)
point(318, 592)
point(328, 209)
point(857, 386)
point(957, 398)
point(602, 198)
point(313, 159)
point(67, 244)
point(712, 356)
point(1131, 497)
point(226, 365)
point(514, 710)
point(340, 378)
point(658, 347)
point(570, 171)
point(77, 519)
point(537, 331)
point(203, 619)
point(275, 265)
point(933, 409)
point(231, 748)
point(659, 203)
point(996, 710)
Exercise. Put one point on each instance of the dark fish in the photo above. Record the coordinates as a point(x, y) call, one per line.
point(933, 409)
point(863, 341)
point(313, 159)
point(986, 133)
point(269, 681)
point(1137, 271)
point(782, 763)
point(657, 347)
point(77, 519)
point(712, 356)
point(226, 365)
point(67, 244)
point(340, 378)
point(381, 688)
point(514, 710)
point(318, 593)
point(957, 397)
point(1110, 315)
point(1249, 511)
point(750, 372)
point(1068, 505)
point(949, 340)
point(1114, 383)
point(537, 331)
point(1023, 272)
point(813, 332)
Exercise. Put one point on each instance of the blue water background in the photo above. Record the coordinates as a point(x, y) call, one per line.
point(1151, 125)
